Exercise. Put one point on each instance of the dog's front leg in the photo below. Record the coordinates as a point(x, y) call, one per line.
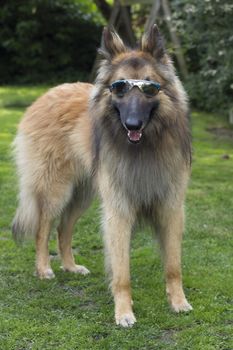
point(117, 232)
point(170, 225)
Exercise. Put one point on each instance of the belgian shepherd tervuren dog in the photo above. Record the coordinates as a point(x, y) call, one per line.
point(126, 137)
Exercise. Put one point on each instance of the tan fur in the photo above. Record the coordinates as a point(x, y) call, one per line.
point(71, 144)
point(53, 154)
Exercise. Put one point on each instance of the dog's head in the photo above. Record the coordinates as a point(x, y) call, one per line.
point(138, 87)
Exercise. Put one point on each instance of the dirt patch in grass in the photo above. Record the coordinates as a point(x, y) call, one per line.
point(168, 336)
point(221, 132)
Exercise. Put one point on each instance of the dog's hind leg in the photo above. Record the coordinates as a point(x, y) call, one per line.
point(170, 227)
point(43, 267)
point(65, 229)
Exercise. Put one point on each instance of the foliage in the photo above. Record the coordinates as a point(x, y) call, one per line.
point(205, 28)
point(46, 40)
point(205, 31)
point(76, 312)
point(43, 40)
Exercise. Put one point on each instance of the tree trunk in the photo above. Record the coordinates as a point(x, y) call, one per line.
point(104, 8)
point(175, 39)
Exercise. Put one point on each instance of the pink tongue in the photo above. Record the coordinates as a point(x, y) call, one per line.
point(134, 135)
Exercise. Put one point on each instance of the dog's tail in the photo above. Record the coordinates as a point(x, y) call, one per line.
point(26, 221)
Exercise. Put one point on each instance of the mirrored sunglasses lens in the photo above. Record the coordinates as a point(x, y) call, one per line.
point(150, 89)
point(119, 88)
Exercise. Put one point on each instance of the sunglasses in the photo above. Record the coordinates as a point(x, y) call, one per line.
point(121, 87)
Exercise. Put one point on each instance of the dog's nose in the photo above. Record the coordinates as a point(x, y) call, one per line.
point(133, 124)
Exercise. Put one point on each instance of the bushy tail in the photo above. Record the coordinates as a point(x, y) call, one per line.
point(26, 220)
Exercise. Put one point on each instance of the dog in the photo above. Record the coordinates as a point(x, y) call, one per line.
point(127, 138)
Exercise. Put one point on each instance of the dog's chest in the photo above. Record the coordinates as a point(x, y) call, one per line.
point(144, 181)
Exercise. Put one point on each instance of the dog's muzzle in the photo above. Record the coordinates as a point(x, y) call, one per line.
point(134, 128)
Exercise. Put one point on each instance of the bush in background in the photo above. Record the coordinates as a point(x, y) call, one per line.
point(56, 41)
point(205, 28)
point(47, 40)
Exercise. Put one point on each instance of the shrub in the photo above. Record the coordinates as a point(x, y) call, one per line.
point(47, 40)
point(205, 27)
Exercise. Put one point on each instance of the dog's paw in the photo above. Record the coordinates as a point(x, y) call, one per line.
point(181, 306)
point(45, 274)
point(82, 270)
point(126, 320)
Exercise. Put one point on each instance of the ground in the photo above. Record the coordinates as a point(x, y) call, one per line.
point(76, 312)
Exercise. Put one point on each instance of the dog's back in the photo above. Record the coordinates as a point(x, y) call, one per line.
point(52, 137)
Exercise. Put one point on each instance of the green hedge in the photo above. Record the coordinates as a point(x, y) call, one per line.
point(205, 28)
point(47, 40)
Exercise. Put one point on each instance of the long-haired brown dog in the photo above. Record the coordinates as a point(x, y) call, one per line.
point(126, 137)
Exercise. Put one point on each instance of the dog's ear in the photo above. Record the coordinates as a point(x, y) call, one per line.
point(152, 42)
point(112, 44)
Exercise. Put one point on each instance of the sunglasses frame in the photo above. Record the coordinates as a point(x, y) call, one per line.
point(130, 83)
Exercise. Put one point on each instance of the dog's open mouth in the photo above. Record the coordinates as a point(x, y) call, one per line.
point(134, 136)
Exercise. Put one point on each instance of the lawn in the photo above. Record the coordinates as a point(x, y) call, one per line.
point(76, 312)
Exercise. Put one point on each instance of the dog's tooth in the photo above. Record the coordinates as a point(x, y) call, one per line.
point(134, 135)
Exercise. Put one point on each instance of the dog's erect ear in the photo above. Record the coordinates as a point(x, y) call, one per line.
point(152, 42)
point(112, 44)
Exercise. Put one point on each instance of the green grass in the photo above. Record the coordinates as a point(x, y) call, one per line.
point(76, 312)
